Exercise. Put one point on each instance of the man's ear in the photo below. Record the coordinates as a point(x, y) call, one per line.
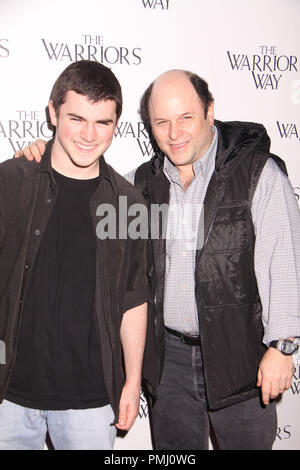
point(52, 114)
point(210, 113)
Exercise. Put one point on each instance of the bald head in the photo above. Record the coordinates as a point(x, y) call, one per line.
point(169, 88)
point(171, 79)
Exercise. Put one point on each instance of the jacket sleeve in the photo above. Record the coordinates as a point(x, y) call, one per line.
point(2, 209)
point(137, 291)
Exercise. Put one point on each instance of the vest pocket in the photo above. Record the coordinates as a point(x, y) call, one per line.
point(230, 231)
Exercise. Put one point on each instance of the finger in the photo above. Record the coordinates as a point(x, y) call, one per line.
point(131, 417)
point(259, 377)
point(266, 392)
point(33, 153)
point(288, 385)
point(129, 421)
point(285, 386)
point(277, 388)
point(122, 416)
point(18, 154)
point(41, 145)
point(284, 383)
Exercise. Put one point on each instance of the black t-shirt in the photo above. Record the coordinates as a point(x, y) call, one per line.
point(58, 362)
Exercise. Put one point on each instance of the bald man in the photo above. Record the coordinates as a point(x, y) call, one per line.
point(222, 305)
point(225, 281)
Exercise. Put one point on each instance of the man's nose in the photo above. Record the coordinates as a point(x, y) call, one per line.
point(174, 130)
point(88, 132)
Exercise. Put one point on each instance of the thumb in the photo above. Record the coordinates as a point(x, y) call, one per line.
point(122, 414)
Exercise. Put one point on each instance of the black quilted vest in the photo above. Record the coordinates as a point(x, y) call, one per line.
point(229, 307)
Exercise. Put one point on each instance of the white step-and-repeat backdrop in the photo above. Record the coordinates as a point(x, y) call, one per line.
point(247, 50)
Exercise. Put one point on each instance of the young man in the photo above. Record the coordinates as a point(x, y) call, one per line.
point(73, 307)
point(221, 306)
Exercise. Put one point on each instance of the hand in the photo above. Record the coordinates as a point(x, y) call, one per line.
point(34, 151)
point(275, 374)
point(128, 406)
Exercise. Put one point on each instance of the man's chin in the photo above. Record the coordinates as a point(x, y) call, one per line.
point(179, 162)
point(84, 164)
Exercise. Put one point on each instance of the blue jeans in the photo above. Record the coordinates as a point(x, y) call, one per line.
point(181, 419)
point(25, 428)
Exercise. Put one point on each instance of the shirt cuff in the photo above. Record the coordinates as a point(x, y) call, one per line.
point(290, 328)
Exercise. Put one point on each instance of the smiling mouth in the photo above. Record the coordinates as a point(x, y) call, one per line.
point(178, 146)
point(84, 147)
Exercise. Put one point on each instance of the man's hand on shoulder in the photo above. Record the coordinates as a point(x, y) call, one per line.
point(34, 151)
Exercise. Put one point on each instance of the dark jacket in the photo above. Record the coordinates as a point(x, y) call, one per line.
point(228, 303)
point(27, 195)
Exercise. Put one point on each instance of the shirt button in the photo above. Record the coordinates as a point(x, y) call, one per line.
point(183, 253)
point(26, 267)
point(182, 286)
point(37, 232)
point(48, 201)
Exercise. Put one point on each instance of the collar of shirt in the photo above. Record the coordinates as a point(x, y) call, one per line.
point(200, 166)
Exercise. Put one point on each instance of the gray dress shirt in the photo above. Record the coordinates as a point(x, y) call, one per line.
point(276, 220)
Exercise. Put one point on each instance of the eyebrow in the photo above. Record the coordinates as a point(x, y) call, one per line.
point(180, 116)
point(102, 121)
